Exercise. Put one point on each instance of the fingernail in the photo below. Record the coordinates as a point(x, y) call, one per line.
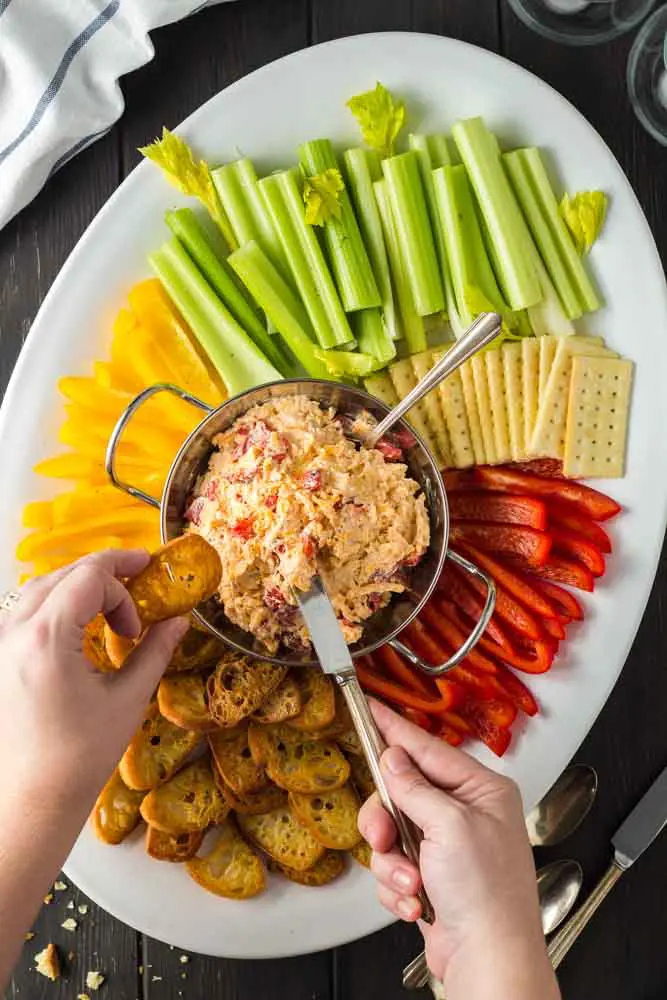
point(406, 908)
point(396, 760)
point(402, 879)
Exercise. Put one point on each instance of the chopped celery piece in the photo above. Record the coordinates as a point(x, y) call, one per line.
point(584, 214)
point(547, 317)
point(541, 185)
point(282, 307)
point(348, 363)
point(232, 353)
point(306, 260)
point(175, 157)
point(410, 214)
point(505, 225)
point(430, 154)
point(345, 248)
point(371, 335)
point(434, 147)
point(542, 234)
point(380, 118)
point(469, 264)
point(185, 225)
point(361, 169)
point(411, 322)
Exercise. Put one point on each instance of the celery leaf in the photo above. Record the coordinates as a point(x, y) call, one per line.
point(321, 196)
point(354, 363)
point(584, 214)
point(380, 118)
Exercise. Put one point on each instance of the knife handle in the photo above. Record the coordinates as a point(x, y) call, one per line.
point(373, 745)
point(561, 942)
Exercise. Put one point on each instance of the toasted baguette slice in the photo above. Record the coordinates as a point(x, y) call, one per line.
point(196, 651)
point(234, 762)
point(329, 867)
point(255, 803)
point(174, 847)
point(94, 645)
point(303, 764)
point(238, 686)
point(182, 700)
point(283, 839)
point(348, 740)
point(156, 752)
point(317, 698)
point(362, 852)
point(190, 801)
point(283, 703)
point(116, 812)
point(180, 575)
point(362, 779)
point(331, 816)
point(231, 869)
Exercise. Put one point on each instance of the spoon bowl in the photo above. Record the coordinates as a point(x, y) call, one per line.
point(564, 807)
point(558, 887)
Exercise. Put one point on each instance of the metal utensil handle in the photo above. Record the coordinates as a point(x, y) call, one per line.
point(124, 419)
point(416, 973)
point(437, 669)
point(561, 942)
point(374, 746)
point(485, 329)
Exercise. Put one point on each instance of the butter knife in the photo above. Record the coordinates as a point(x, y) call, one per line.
point(633, 836)
point(335, 660)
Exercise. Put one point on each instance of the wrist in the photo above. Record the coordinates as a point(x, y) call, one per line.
point(501, 962)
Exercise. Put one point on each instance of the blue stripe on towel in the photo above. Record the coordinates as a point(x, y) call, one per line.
point(57, 80)
point(4, 4)
point(87, 140)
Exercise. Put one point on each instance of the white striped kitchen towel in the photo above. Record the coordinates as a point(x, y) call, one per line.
point(60, 61)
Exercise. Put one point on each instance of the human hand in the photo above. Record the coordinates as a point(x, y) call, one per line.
point(475, 864)
point(65, 723)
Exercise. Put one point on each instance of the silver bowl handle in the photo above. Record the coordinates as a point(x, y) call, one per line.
point(437, 669)
point(124, 419)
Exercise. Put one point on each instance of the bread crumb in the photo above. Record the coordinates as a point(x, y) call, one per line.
point(94, 980)
point(59, 886)
point(47, 963)
point(70, 924)
point(184, 959)
point(82, 996)
point(83, 909)
point(156, 979)
point(184, 975)
point(48, 898)
point(30, 935)
point(70, 905)
point(140, 970)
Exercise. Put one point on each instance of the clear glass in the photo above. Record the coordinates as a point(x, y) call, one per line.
point(647, 75)
point(581, 22)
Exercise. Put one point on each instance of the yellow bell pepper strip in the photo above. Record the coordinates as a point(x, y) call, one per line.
point(75, 504)
point(116, 376)
point(80, 535)
point(71, 465)
point(140, 434)
point(38, 516)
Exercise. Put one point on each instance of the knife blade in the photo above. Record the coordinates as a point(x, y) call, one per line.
point(640, 828)
point(335, 660)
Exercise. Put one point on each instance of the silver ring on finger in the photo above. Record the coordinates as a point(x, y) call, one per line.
point(9, 602)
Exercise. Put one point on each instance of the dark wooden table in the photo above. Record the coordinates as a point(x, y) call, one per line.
point(622, 954)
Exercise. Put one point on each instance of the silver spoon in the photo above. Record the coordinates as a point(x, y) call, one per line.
point(558, 888)
point(552, 820)
point(485, 329)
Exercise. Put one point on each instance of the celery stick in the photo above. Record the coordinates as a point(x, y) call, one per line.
point(422, 146)
point(361, 169)
point(505, 224)
point(438, 149)
point(532, 209)
point(345, 248)
point(410, 214)
point(185, 225)
point(468, 261)
point(541, 185)
point(306, 260)
point(236, 184)
point(371, 335)
point(233, 354)
point(272, 293)
point(547, 317)
point(412, 323)
point(348, 364)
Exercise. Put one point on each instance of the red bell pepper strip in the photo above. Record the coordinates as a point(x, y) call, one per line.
point(420, 719)
point(396, 694)
point(517, 691)
point(477, 685)
point(507, 608)
point(453, 586)
point(592, 502)
point(567, 603)
point(515, 584)
point(387, 661)
point(456, 721)
point(550, 467)
point(574, 574)
point(537, 663)
point(497, 508)
point(450, 735)
point(458, 479)
point(531, 546)
point(569, 543)
point(554, 627)
point(423, 643)
point(497, 738)
point(565, 515)
point(435, 618)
